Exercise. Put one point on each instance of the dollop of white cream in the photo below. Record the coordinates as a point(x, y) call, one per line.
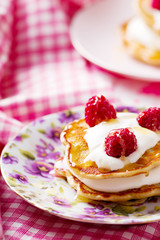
point(95, 138)
point(113, 185)
point(138, 30)
point(122, 184)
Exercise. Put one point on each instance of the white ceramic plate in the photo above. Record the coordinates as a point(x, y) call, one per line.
point(95, 33)
point(27, 164)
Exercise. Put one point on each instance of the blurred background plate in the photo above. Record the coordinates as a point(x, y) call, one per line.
point(95, 33)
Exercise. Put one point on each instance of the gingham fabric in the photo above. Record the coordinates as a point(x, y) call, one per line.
point(41, 73)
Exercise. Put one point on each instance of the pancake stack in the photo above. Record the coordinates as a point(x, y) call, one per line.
point(141, 34)
point(107, 183)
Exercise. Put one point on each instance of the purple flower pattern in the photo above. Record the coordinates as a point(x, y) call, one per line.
point(61, 202)
point(68, 116)
point(39, 120)
point(8, 159)
point(54, 134)
point(18, 138)
point(127, 109)
point(98, 210)
point(46, 151)
point(39, 168)
point(21, 178)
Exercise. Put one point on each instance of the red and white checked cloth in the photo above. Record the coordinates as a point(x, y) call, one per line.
point(41, 73)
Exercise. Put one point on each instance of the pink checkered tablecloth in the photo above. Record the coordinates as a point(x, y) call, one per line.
point(41, 73)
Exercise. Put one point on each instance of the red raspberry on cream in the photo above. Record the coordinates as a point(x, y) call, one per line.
point(150, 118)
point(98, 109)
point(120, 142)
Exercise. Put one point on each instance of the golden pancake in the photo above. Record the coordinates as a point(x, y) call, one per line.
point(77, 170)
point(92, 194)
point(139, 51)
point(77, 150)
point(138, 193)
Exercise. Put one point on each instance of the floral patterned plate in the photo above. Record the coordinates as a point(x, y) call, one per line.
point(27, 163)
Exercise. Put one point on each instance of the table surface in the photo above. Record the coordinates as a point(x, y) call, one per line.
point(41, 73)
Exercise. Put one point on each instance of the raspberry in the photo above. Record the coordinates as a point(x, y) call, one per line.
point(150, 118)
point(97, 110)
point(156, 4)
point(120, 142)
